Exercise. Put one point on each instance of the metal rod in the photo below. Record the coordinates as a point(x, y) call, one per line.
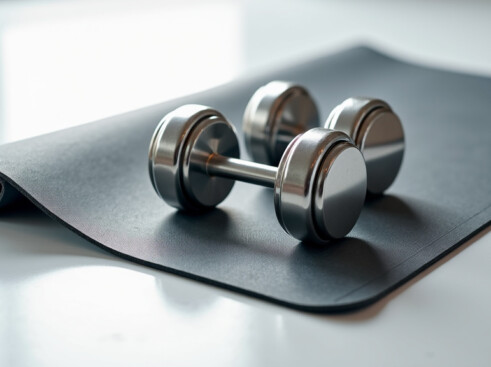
point(238, 169)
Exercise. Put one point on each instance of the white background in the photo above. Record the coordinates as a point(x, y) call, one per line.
point(65, 302)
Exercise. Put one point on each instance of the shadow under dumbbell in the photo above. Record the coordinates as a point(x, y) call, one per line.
point(213, 222)
point(219, 231)
point(390, 203)
point(390, 214)
point(327, 268)
point(241, 245)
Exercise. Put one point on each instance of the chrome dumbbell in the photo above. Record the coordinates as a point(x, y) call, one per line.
point(319, 185)
point(279, 111)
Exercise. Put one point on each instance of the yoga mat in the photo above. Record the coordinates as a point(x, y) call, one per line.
point(94, 180)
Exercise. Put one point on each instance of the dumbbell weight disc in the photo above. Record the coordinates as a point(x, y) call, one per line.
point(182, 140)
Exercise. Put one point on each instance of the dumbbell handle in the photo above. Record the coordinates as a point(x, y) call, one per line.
point(241, 170)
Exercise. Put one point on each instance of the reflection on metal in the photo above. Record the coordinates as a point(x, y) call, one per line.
point(319, 185)
point(279, 111)
point(378, 132)
point(275, 114)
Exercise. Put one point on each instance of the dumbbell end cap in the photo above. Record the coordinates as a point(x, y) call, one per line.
point(378, 133)
point(178, 150)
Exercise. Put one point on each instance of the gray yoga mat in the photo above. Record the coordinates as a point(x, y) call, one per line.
point(94, 179)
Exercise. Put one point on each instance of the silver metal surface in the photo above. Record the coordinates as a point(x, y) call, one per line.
point(340, 190)
point(238, 169)
point(279, 111)
point(275, 114)
point(320, 187)
point(211, 136)
point(378, 133)
point(182, 139)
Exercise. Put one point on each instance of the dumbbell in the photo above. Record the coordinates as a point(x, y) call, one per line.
point(279, 111)
point(319, 184)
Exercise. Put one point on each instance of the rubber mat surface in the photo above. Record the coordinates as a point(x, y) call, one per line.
point(94, 179)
